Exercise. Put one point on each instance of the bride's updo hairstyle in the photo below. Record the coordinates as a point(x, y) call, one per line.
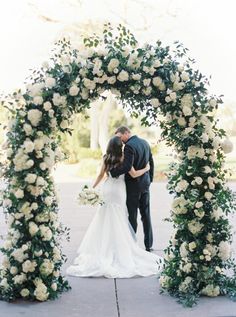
point(114, 153)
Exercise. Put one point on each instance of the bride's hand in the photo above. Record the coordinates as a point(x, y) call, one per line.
point(147, 167)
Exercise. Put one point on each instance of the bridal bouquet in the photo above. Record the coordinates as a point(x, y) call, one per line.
point(89, 196)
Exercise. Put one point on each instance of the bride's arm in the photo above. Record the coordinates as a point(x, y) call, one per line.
point(138, 173)
point(100, 176)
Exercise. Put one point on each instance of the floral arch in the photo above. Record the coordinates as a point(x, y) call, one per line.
point(150, 80)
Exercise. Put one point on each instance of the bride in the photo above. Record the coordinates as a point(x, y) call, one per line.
point(109, 247)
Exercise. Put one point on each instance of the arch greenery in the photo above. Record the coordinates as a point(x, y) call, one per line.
point(160, 85)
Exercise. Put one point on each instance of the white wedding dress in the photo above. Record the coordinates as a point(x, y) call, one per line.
point(109, 247)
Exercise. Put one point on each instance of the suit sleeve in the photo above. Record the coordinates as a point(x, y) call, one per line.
point(151, 162)
point(125, 167)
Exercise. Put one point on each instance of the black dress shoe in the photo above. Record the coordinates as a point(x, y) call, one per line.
point(149, 249)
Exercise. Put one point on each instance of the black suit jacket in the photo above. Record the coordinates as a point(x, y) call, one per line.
point(137, 153)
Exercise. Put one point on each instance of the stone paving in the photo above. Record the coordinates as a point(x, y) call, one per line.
point(100, 297)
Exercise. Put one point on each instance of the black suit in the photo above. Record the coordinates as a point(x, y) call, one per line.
point(137, 153)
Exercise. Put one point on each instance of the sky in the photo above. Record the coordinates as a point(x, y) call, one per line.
point(29, 28)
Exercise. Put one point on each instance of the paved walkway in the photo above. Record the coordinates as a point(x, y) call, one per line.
point(100, 297)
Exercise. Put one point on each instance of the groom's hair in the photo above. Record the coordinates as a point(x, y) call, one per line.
point(123, 129)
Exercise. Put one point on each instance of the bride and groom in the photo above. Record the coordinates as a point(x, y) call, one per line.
point(109, 247)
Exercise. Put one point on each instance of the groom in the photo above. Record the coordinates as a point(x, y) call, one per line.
point(137, 153)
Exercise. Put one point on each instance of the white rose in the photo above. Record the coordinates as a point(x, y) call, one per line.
point(47, 105)
point(181, 186)
point(38, 100)
point(146, 82)
point(50, 82)
point(39, 144)
point(111, 80)
point(46, 233)
point(34, 206)
point(123, 76)
point(48, 200)
point(114, 63)
point(13, 270)
point(199, 204)
point(43, 166)
point(24, 292)
point(136, 76)
point(155, 102)
point(195, 226)
point(198, 180)
point(47, 267)
point(40, 181)
point(4, 283)
point(179, 205)
point(181, 121)
point(157, 81)
point(184, 76)
point(64, 124)
point(29, 266)
point(40, 292)
point(34, 116)
point(213, 103)
point(33, 228)
point(28, 146)
point(211, 290)
point(187, 111)
point(183, 250)
point(28, 129)
point(30, 178)
point(192, 246)
point(74, 90)
point(208, 195)
point(168, 99)
point(7, 203)
point(19, 193)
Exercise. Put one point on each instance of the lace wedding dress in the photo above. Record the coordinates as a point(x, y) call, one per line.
point(109, 247)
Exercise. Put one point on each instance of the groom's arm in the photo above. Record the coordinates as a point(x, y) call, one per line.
point(126, 165)
point(151, 162)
